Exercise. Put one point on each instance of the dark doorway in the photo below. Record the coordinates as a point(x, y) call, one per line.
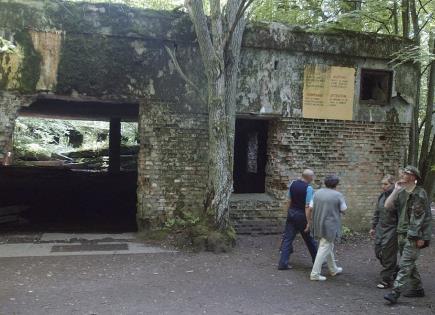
point(250, 156)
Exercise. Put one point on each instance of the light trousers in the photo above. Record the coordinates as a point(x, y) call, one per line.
point(324, 252)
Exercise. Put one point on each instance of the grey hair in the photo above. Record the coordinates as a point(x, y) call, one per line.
point(307, 172)
point(331, 181)
point(389, 178)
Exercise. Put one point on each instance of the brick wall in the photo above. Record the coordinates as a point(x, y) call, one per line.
point(172, 162)
point(359, 152)
point(257, 214)
point(9, 106)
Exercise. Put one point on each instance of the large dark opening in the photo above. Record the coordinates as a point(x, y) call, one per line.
point(78, 188)
point(250, 156)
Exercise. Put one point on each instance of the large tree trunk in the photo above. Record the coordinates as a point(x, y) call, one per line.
point(414, 131)
point(405, 18)
point(232, 60)
point(429, 181)
point(221, 56)
point(427, 156)
point(425, 145)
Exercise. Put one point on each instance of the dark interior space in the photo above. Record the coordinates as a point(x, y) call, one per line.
point(250, 156)
point(376, 86)
point(64, 200)
point(70, 195)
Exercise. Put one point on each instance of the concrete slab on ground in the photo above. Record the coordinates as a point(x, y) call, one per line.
point(76, 249)
point(67, 237)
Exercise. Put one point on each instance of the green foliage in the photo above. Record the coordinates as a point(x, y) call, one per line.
point(413, 54)
point(145, 4)
point(346, 231)
point(38, 139)
point(185, 220)
point(368, 16)
point(7, 46)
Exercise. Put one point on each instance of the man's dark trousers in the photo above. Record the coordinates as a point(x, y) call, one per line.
point(296, 223)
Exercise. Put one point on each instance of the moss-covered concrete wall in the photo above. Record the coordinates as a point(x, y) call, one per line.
point(113, 52)
point(116, 52)
point(275, 85)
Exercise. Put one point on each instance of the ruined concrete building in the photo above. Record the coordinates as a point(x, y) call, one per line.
point(328, 101)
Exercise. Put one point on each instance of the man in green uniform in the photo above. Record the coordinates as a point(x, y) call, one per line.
point(414, 231)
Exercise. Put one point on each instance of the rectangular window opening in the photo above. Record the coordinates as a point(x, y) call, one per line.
point(376, 86)
point(250, 156)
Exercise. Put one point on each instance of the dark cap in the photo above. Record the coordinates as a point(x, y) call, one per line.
point(412, 170)
point(331, 181)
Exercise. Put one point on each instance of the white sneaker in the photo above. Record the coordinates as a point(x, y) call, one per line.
point(337, 271)
point(317, 278)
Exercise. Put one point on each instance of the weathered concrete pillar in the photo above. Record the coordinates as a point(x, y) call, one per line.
point(172, 163)
point(144, 191)
point(115, 145)
point(9, 106)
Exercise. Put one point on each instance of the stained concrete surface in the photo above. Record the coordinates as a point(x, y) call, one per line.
point(242, 282)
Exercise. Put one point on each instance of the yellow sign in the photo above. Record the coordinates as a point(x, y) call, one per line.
point(328, 92)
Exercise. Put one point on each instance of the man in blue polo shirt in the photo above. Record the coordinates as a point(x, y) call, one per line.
point(300, 195)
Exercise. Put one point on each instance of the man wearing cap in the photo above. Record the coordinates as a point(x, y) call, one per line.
point(299, 197)
point(414, 231)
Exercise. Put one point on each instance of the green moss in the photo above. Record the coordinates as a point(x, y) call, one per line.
point(155, 235)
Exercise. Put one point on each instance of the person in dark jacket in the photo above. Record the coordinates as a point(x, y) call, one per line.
point(384, 230)
point(299, 197)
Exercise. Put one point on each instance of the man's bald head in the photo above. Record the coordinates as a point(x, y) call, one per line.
point(308, 175)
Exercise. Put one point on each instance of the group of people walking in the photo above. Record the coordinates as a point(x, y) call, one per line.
point(401, 225)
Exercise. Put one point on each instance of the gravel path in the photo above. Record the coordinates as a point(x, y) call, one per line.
point(242, 282)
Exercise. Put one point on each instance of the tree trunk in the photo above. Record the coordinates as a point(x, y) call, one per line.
point(232, 60)
point(219, 186)
point(429, 182)
point(414, 132)
point(221, 56)
point(395, 18)
point(424, 163)
point(405, 18)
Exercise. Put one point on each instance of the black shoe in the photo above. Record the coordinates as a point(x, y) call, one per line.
point(392, 297)
point(414, 293)
point(284, 267)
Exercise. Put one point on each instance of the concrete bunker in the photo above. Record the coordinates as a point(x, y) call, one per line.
point(116, 54)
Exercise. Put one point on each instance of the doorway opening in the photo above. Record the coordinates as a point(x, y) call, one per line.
point(250, 155)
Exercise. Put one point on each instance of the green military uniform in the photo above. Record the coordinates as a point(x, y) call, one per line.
point(384, 222)
point(415, 220)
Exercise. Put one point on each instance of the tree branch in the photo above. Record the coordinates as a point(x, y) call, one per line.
point(182, 74)
point(383, 24)
point(208, 53)
point(423, 122)
point(422, 27)
point(425, 68)
point(423, 6)
point(243, 6)
point(216, 24)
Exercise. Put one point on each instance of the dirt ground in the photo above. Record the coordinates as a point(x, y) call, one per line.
point(245, 281)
